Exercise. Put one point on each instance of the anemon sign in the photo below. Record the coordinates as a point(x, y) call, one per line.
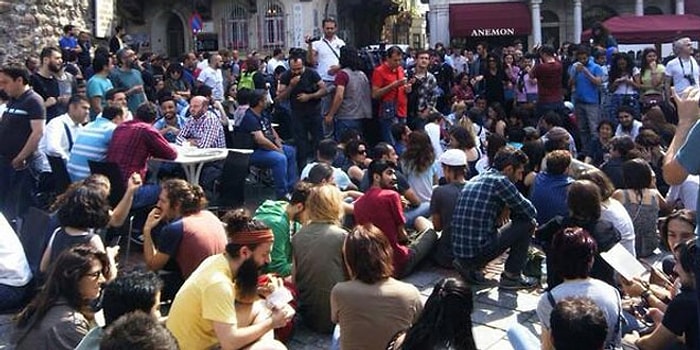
point(493, 32)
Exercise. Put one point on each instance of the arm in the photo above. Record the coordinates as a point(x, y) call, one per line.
point(263, 142)
point(96, 104)
point(316, 95)
point(159, 146)
point(378, 92)
point(232, 338)
point(121, 211)
point(520, 206)
point(337, 100)
point(657, 340)
point(54, 133)
point(595, 79)
point(30, 146)
point(154, 259)
point(688, 111)
point(546, 339)
point(412, 197)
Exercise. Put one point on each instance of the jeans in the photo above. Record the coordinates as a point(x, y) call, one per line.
point(411, 214)
point(514, 235)
point(145, 196)
point(307, 133)
point(16, 189)
point(419, 248)
point(587, 117)
point(542, 108)
point(521, 338)
point(343, 125)
point(385, 129)
point(13, 298)
point(335, 338)
point(283, 165)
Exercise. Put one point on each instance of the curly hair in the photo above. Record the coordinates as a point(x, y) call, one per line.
point(63, 282)
point(240, 220)
point(191, 198)
point(84, 208)
point(419, 154)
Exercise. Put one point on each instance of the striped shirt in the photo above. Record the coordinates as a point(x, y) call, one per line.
point(479, 205)
point(90, 144)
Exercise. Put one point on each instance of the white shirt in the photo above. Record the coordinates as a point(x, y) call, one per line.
point(636, 125)
point(14, 267)
point(55, 140)
point(686, 193)
point(214, 79)
point(677, 72)
point(273, 63)
point(328, 55)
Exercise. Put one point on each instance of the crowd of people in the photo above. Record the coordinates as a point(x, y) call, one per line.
point(439, 156)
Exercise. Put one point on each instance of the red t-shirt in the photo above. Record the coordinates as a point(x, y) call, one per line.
point(548, 77)
point(383, 209)
point(383, 76)
point(341, 78)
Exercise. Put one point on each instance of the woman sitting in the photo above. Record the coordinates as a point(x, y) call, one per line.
point(356, 153)
point(60, 315)
point(417, 163)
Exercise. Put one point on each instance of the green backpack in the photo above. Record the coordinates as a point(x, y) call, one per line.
point(246, 81)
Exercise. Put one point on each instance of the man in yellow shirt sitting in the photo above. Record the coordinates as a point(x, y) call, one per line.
point(217, 304)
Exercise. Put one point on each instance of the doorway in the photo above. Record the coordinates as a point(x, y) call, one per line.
point(175, 38)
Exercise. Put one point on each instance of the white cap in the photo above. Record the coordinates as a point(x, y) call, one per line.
point(454, 157)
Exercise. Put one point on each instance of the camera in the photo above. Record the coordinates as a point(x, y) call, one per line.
point(690, 79)
point(310, 40)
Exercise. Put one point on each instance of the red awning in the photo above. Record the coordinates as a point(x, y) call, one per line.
point(492, 19)
point(630, 29)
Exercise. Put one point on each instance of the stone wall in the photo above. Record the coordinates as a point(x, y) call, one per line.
point(26, 26)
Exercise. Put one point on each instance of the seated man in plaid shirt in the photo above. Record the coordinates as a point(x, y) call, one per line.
point(482, 206)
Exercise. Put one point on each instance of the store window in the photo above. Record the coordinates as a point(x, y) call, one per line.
point(273, 26)
point(550, 28)
point(238, 26)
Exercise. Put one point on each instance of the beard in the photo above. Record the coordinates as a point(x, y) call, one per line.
point(54, 68)
point(247, 279)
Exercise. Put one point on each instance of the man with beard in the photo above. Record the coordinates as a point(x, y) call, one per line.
point(45, 84)
point(212, 77)
point(217, 305)
point(381, 206)
point(127, 77)
point(627, 125)
point(170, 123)
point(203, 129)
point(189, 233)
point(423, 98)
point(189, 64)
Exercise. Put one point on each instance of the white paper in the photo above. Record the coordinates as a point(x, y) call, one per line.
point(623, 262)
point(279, 298)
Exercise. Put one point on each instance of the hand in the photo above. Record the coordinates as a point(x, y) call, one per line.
point(193, 142)
point(112, 252)
point(633, 288)
point(281, 316)
point(19, 164)
point(295, 80)
point(333, 69)
point(303, 97)
point(687, 104)
point(51, 101)
point(137, 89)
point(399, 82)
point(328, 119)
point(405, 202)
point(579, 67)
point(655, 315)
point(153, 219)
point(134, 182)
point(272, 284)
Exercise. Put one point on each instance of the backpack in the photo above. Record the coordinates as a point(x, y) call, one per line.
point(246, 81)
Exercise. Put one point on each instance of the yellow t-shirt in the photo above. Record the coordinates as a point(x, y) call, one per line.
point(207, 296)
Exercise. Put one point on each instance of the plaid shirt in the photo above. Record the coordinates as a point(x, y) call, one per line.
point(426, 89)
point(207, 130)
point(133, 142)
point(478, 207)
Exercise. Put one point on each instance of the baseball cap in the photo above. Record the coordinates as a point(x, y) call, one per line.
point(454, 157)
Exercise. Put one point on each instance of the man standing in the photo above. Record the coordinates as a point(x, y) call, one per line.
point(189, 233)
point(60, 133)
point(423, 97)
point(682, 71)
point(381, 206)
point(129, 78)
point(475, 234)
point(92, 142)
point(304, 88)
point(116, 43)
point(83, 52)
point(133, 143)
point(275, 61)
point(212, 77)
point(443, 202)
point(585, 79)
point(21, 127)
point(45, 84)
point(352, 100)
point(548, 72)
point(389, 85)
point(99, 84)
point(324, 55)
point(203, 129)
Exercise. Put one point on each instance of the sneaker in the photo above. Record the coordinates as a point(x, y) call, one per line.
point(472, 276)
point(515, 283)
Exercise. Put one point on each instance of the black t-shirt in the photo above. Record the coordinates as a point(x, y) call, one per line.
point(681, 317)
point(308, 85)
point(252, 123)
point(47, 87)
point(15, 126)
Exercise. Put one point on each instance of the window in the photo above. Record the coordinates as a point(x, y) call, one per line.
point(273, 26)
point(238, 26)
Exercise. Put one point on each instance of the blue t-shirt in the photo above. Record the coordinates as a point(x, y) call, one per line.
point(68, 42)
point(689, 157)
point(549, 196)
point(98, 86)
point(127, 80)
point(586, 90)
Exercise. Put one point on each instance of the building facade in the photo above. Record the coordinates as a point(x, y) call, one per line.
point(463, 23)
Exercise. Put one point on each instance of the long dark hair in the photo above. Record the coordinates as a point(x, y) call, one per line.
point(419, 154)
point(615, 71)
point(446, 321)
point(644, 66)
point(63, 282)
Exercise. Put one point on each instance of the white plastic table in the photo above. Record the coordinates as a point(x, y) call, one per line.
point(193, 159)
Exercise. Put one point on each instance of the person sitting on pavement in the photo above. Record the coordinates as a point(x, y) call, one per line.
point(443, 201)
point(131, 292)
point(285, 218)
point(269, 152)
point(318, 259)
point(180, 232)
point(372, 306)
point(445, 322)
point(326, 153)
point(381, 206)
point(217, 305)
point(548, 192)
point(476, 236)
point(137, 330)
point(60, 315)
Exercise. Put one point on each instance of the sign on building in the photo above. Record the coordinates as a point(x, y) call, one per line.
point(297, 26)
point(104, 16)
